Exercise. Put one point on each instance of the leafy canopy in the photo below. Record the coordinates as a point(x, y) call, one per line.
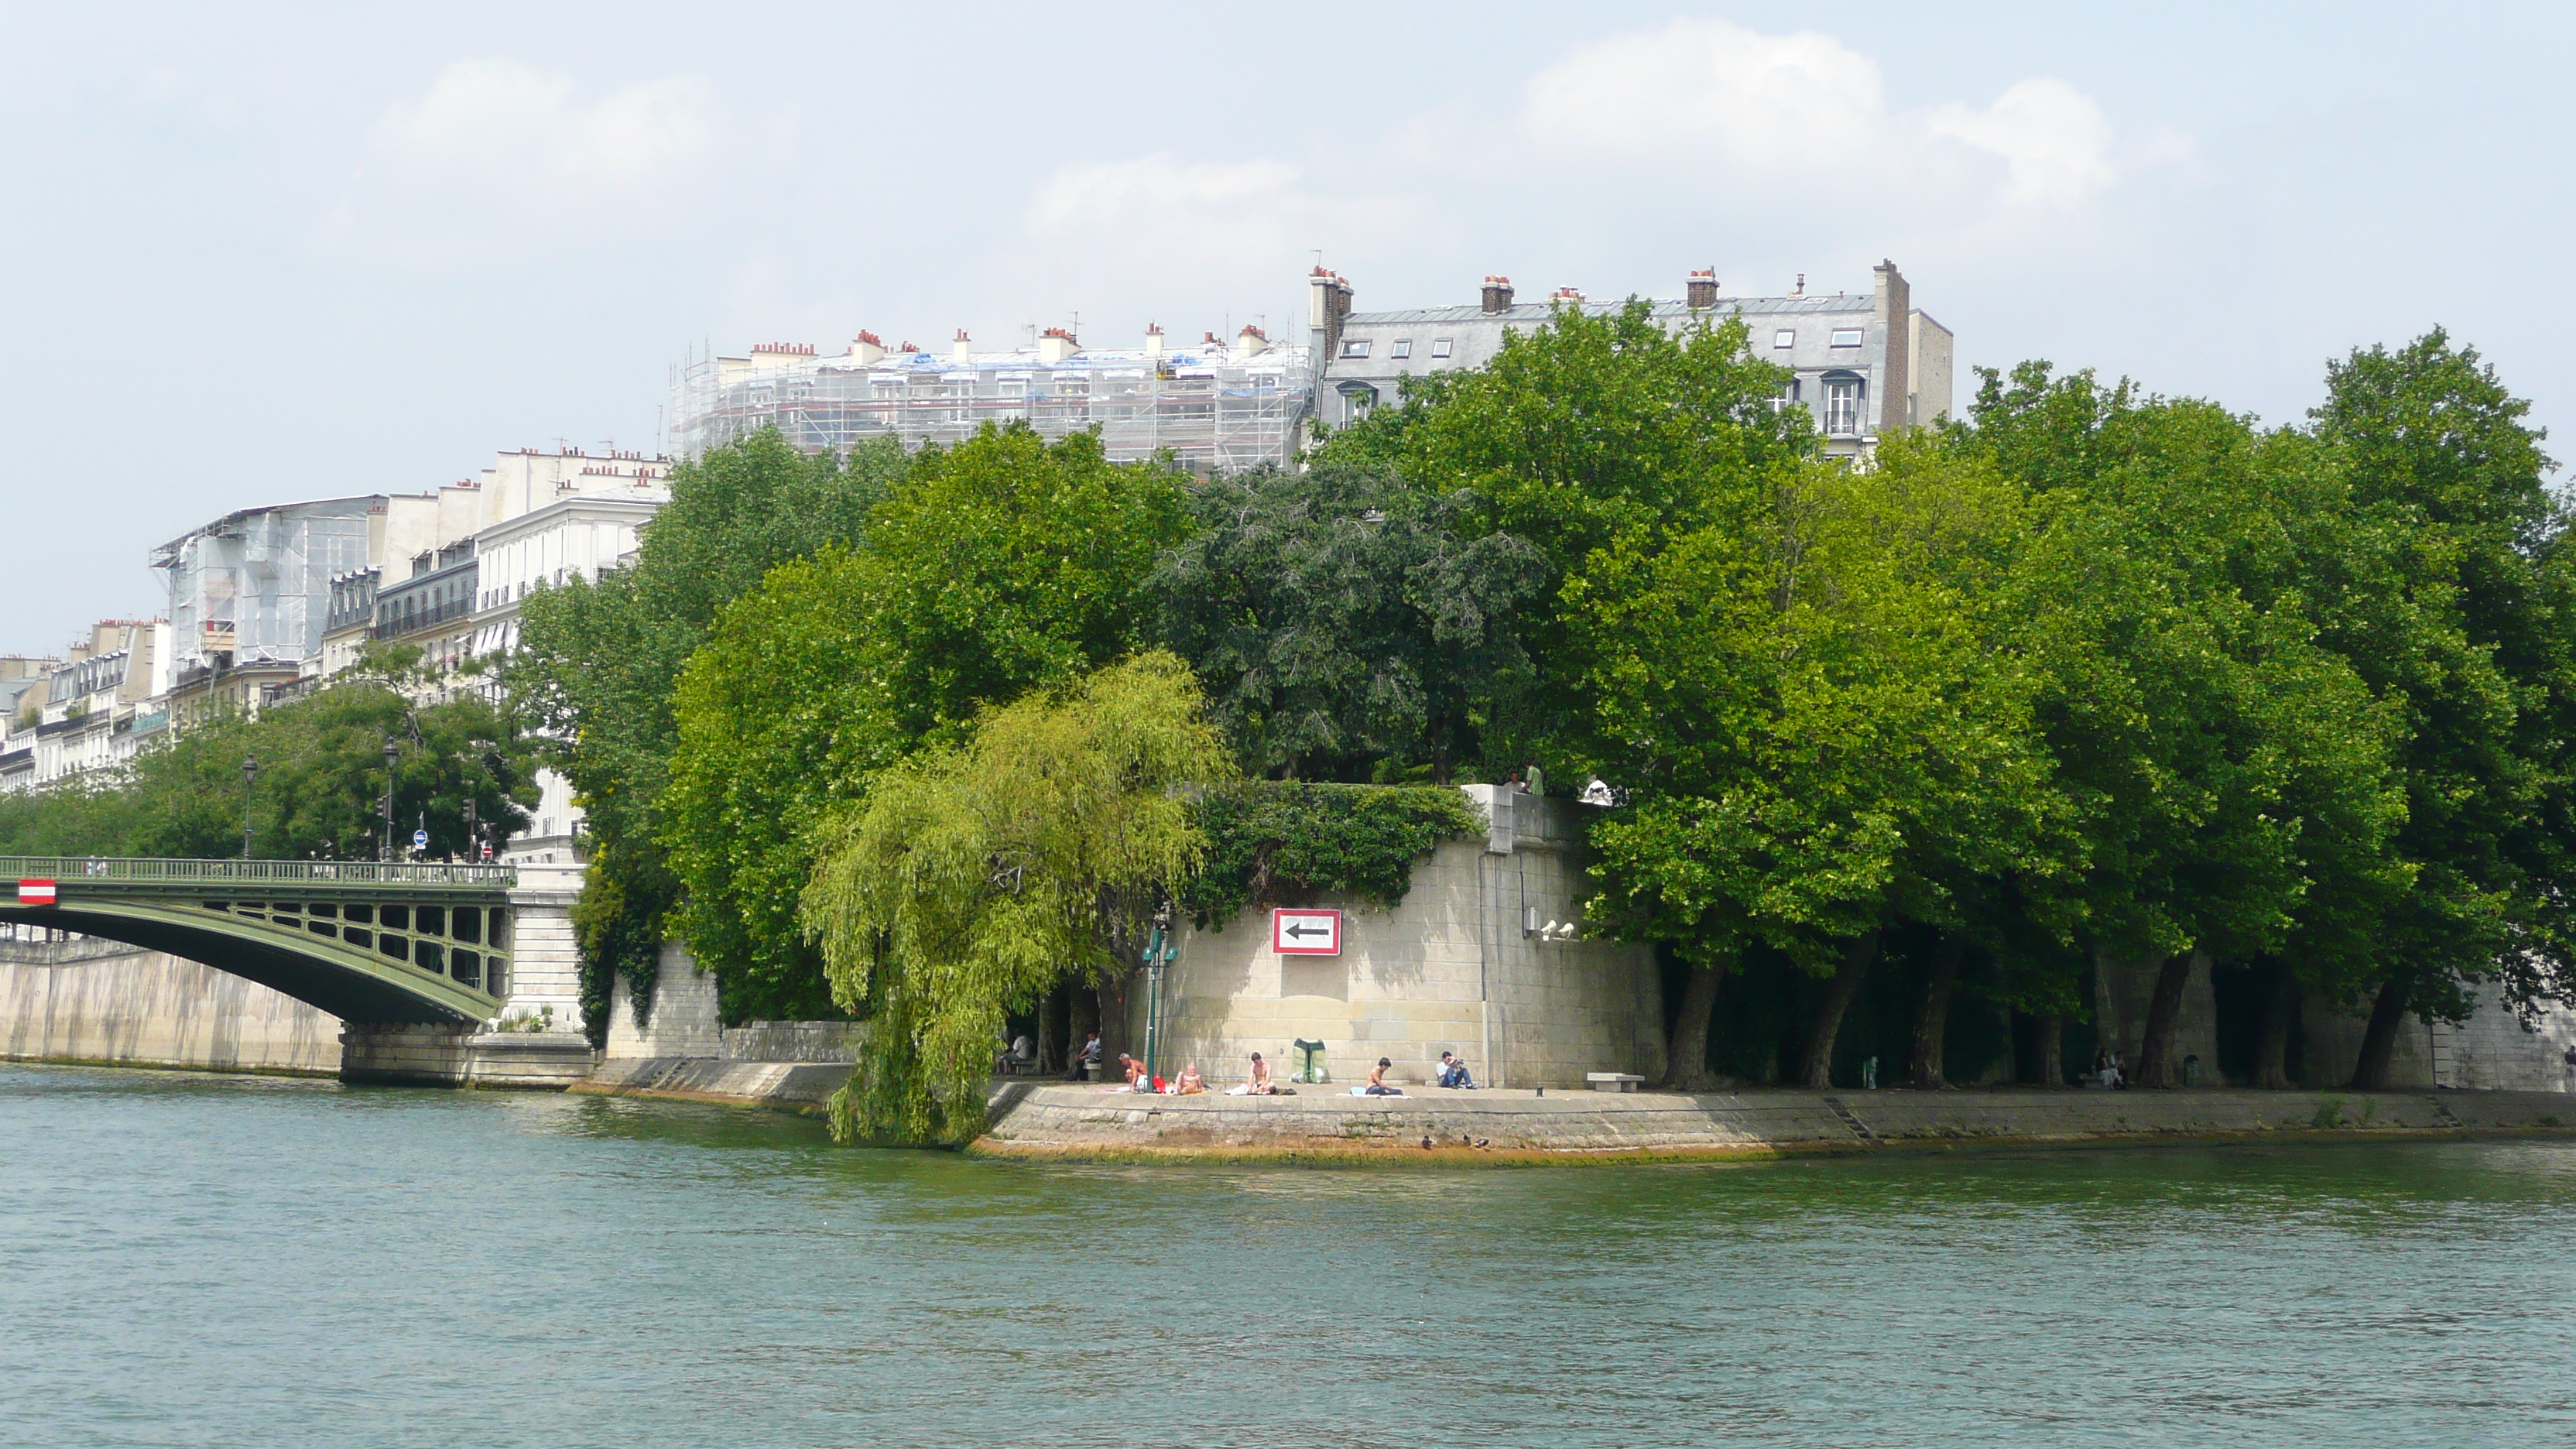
point(969, 881)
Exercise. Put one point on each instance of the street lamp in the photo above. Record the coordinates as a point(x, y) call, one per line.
point(1159, 951)
point(393, 757)
point(250, 773)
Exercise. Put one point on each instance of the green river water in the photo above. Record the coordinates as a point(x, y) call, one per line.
point(207, 1260)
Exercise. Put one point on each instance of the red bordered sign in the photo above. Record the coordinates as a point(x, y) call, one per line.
point(1306, 933)
point(35, 893)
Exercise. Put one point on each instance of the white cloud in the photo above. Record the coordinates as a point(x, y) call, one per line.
point(2055, 142)
point(499, 159)
point(1729, 103)
point(1158, 191)
point(1764, 100)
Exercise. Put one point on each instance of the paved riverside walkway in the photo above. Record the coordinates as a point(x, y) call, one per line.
point(1041, 1118)
point(1084, 1121)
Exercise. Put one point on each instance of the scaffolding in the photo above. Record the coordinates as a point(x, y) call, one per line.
point(1213, 408)
point(252, 586)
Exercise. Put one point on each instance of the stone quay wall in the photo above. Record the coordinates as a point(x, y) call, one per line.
point(1455, 967)
point(85, 1000)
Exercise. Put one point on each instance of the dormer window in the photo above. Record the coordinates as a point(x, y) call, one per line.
point(1847, 336)
point(1402, 349)
point(1355, 347)
point(1439, 348)
point(1785, 337)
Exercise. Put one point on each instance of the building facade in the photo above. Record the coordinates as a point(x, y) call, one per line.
point(1217, 405)
point(1858, 363)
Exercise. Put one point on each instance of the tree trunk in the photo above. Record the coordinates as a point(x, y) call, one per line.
point(2155, 1048)
point(1113, 1014)
point(1686, 1059)
point(1816, 1068)
point(2272, 1046)
point(2379, 1040)
point(2052, 1050)
point(1932, 1014)
point(1051, 1009)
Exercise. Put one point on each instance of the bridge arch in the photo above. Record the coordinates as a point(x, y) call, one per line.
point(366, 942)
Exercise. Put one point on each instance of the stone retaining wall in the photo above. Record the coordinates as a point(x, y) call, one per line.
point(87, 1000)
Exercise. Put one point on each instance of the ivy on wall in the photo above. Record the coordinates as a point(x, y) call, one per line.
point(1277, 841)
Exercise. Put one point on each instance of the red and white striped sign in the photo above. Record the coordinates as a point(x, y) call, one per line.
point(35, 893)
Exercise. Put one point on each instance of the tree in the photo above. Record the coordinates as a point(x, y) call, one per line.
point(2231, 774)
point(321, 778)
point(972, 879)
point(2462, 620)
point(1821, 726)
point(599, 661)
point(1585, 435)
point(996, 566)
point(1346, 623)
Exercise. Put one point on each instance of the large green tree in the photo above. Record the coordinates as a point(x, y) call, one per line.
point(1588, 434)
point(996, 566)
point(975, 878)
point(1347, 624)
point(600, 660)
point(2462, 619)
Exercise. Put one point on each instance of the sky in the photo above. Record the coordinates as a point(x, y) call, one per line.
point(252, 255)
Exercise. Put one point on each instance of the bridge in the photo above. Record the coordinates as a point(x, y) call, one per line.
point(366, 942)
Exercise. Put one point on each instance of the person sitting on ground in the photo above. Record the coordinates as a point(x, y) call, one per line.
point(1134, 1071)
point(1085, 1060)
point(1453, 1072)
point(1190, 1083)
point(1259, 1083)
point(1377, 1086)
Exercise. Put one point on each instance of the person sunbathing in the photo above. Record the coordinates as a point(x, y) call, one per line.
point(1260, 1085)
point(1135, 1072)
point(1377, 1086)
point(1190, 1083)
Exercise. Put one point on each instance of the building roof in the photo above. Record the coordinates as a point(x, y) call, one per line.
point(1536, 312)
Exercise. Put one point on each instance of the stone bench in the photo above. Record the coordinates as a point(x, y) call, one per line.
point(1614, 1081)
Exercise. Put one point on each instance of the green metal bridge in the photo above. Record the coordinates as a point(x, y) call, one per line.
point(362, 941)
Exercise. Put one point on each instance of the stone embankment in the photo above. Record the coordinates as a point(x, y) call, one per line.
point(1079, 1122)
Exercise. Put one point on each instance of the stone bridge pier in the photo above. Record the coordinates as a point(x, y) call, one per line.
point(535, 1042)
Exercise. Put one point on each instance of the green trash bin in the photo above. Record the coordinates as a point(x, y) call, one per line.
point(1310, 1061)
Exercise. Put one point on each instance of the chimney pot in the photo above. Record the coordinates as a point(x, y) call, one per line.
point(1498, 294)
point(1702, 291)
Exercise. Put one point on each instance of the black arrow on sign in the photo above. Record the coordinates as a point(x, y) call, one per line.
point(1307, 931)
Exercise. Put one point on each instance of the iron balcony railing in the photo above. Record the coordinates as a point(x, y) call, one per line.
point(104, 869)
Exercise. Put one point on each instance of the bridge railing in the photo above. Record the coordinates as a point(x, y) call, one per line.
point(106, 869)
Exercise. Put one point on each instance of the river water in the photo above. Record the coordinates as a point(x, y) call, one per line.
point(206, 1260)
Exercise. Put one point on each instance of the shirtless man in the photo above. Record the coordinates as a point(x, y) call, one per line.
point(1190, 1083)
point(1377, 1086)
point(1259, 1084)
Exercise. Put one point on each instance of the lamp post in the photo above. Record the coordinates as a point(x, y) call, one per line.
point(1159, 951)
point(250, 774)
point(393, 757)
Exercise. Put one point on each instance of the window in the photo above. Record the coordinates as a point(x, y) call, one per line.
point(1842, 407)
point(1355, 347)
point(1785, 337)
point(1847, 337)
point(1357, 399)
point(1402, 349)
point(1439, 347)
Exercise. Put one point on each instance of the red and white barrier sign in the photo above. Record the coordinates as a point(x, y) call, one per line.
point(35, 893)
point(1306, 933)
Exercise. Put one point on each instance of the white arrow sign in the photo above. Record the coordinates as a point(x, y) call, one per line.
point(1306, 933)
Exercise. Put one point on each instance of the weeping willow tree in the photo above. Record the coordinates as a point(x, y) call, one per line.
point(971, 881)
